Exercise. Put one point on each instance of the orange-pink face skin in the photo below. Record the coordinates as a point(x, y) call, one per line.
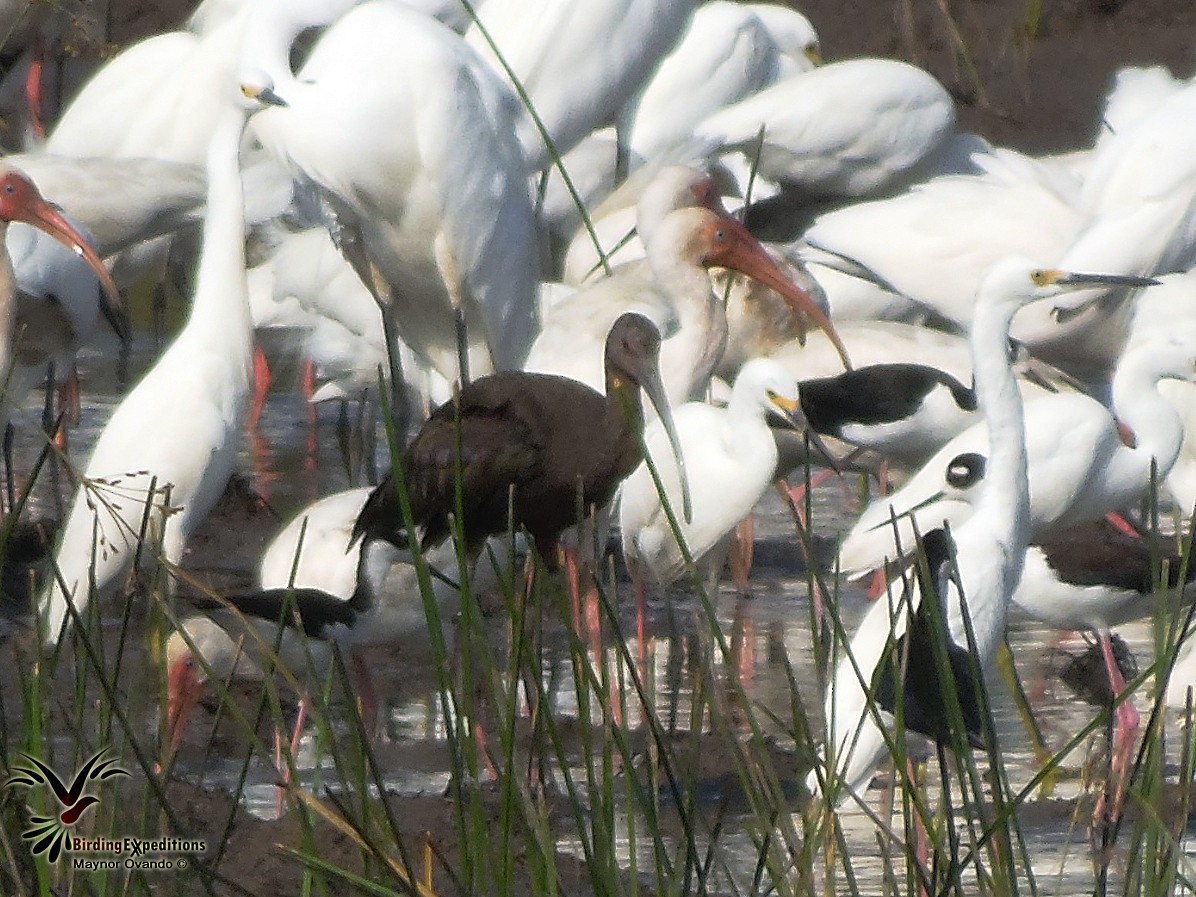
point(707, 195)
point(734, 247)
point(21, 201)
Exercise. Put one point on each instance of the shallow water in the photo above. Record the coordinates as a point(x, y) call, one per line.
point(289, 464)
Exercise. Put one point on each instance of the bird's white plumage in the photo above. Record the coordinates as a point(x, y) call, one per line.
point(1181, 686)
point(180, 423)
point(725, 55)
point(792, 34)
point(929, 244)
point(989, 547)
point(936, 420)
point(1080, 467)
point(96, 121)
point(843, 129)
point(325, 559)
point(1062, 605)
point(1138, 196)
point(730, 456)
point(577, 81)
point(625, 221)
point(672, 290)
point(439, 193)
point(1170, 306)
point(118, 201)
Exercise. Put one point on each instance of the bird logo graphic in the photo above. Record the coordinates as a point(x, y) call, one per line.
point(48, 834)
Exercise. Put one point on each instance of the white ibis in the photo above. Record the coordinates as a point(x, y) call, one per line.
point(678, 296)
point(725, 55)
point(119, 201)
point(177, 428)
point(20, 201)
point(625, 221)
point(929, 244)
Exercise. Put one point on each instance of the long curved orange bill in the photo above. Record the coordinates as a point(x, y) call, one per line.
point(183, 689)
point(739, 250)
point(40, 214)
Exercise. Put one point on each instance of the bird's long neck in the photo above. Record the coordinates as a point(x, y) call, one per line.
point(8, 307)
point(1006, 496)
point(702, 335)
point(270, 31)
point(624, 407)
point(1157, 428)
point(220, 311)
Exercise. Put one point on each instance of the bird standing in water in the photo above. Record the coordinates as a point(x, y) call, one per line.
point(989, 552)
point(169, 448)
point(540, 445)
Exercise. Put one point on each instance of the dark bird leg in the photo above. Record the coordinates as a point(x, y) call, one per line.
point(367, 695)
point(641, 614)
point(344, 441)
point(10, 486)
point(740, 557)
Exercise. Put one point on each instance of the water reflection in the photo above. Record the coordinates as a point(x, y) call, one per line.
point(293, 457)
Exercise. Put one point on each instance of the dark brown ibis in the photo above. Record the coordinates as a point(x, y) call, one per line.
point(549, 439)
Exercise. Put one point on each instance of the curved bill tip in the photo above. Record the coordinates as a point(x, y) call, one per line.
point(46, 217)
point(747, 256)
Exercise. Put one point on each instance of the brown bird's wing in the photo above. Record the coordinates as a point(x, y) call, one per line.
point(1098, 554)
point(499, 448)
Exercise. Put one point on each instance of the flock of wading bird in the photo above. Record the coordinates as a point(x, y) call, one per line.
point(404, 198)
